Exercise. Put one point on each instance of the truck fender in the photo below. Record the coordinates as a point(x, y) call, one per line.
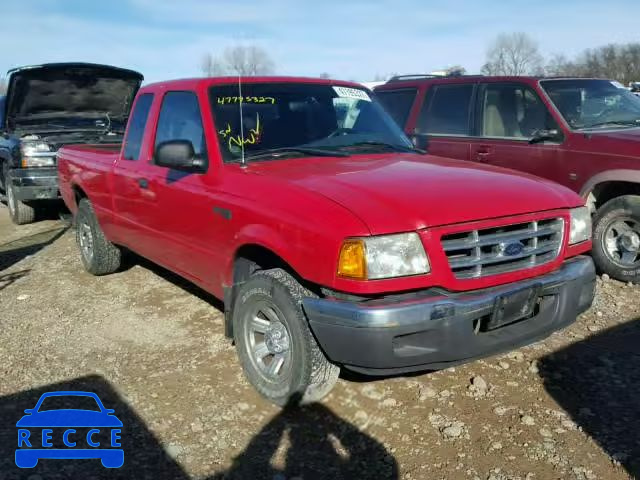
point(260, 236)
point(621, 175)
point(255, 235)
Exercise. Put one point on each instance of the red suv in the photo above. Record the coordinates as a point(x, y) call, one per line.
point(582, 133)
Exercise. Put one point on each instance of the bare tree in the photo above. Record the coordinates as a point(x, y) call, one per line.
point(238, 60)
point(513, 54)
point(325, 75)
point(455, 71)
point(248, 61)
point(616, 62)
point(211, 66)
point(383, 77)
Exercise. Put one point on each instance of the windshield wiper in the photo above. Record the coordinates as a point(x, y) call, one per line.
point(283, 151)
point(386, 146)
point(630, 123)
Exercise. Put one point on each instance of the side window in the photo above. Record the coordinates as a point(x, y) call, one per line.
point(446, 110)
point(513, 111)
point(180, 119)
point(398, 103)
point(137, 122)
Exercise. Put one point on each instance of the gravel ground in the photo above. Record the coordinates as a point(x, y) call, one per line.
point(153, 348)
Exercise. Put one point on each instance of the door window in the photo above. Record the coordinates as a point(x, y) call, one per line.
point(513, 111)
point(137, 123)
point(398, 103)
point(180, 119)
point(446, 110)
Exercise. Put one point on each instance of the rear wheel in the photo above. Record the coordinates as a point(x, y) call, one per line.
point(277, 350)
point(616, 238)
point(99, 256)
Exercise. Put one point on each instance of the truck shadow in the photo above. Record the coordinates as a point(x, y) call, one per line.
point(144, 455)
point(14, 251)
point(319, 445)
point(310, 442)
point(597, 382)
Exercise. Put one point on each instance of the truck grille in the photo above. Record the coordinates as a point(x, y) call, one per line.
point(490, 251)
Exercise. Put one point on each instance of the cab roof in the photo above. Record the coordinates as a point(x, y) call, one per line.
point(195, 83)
point(420, 80)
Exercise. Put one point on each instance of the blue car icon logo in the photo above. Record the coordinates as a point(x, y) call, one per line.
point(69, 425)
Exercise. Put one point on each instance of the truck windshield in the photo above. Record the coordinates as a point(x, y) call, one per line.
point(587, 104)
point(300, 119)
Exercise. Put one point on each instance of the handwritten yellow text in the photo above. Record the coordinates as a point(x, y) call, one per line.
point(227, 100)
point(238, 140)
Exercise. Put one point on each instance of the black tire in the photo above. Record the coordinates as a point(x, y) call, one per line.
point(307, 375)
point(626, 209)
point(102, 257)
point(21, 213)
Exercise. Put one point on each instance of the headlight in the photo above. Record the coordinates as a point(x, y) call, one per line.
point(580, 225)
point(29, 148)
point(385, 256)
point(37, 154)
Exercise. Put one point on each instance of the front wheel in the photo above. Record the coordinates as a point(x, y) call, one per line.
point(21, 213)
point(616, 238)
point(277, 350)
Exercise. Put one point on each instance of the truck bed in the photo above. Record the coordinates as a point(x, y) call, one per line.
point(89, 165)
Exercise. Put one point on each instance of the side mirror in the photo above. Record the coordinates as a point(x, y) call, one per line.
point(29, 411)
point(543, 135)
point(109, 411)
point(178, 155)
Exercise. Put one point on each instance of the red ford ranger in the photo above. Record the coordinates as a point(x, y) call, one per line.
point(332, 240)
point(582, 133)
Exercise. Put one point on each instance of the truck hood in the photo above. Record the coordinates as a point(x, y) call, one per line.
point(622, 142)
point(403, 192)
point(38, 94)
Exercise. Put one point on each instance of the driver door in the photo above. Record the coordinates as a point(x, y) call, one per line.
point(507, 116)
point(181, 220)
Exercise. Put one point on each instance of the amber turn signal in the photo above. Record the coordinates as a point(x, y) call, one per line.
point(351, 263)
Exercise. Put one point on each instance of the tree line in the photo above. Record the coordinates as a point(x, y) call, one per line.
point(518, 54)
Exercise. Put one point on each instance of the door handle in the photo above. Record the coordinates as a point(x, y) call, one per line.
point(143, 182)
point(483, 153)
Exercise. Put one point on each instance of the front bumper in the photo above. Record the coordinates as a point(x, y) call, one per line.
point(34, 183)
point(434, 329)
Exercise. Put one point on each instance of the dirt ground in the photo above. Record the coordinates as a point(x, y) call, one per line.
point(153, 349)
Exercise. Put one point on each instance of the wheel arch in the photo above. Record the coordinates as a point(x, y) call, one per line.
point(610, 184)
point(250, 256)
point(78, 194)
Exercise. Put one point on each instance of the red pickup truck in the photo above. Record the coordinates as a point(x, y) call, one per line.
point(580, 132)
point(332, 240)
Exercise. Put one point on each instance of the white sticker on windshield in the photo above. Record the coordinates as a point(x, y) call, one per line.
point(347, 92)
point(617, 84)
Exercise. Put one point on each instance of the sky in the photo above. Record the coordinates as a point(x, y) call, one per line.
point(349, 39)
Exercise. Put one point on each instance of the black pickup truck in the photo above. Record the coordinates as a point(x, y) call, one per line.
point(47, 106)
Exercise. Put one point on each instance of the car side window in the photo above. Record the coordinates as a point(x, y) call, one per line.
point(137, 123)
point(180, 119)
point(513, 111)
point(446, 110)
point(398, 103)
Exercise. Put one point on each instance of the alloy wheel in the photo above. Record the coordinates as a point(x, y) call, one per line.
point(621, 242)
point(268, 341)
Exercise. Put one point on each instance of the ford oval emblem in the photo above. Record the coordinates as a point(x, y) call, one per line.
point(512, 249)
